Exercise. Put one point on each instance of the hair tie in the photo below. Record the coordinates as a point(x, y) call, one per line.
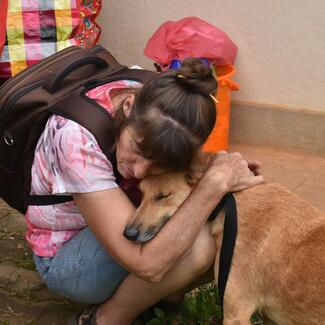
point(214, 99)
point(180, 76)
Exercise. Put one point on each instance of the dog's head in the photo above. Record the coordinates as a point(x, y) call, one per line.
point(162, 195)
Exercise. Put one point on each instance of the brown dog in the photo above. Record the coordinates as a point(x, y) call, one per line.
point(278, 266)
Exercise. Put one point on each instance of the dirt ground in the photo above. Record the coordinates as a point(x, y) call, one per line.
point(24, 299)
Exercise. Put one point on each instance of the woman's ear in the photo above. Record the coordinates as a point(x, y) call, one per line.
point(127, 103)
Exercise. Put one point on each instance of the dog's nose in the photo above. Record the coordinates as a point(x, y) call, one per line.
point(131, 232)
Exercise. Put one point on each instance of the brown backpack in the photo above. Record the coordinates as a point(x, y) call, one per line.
point(56, 85)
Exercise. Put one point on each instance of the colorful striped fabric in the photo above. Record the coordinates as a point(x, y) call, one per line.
point(36, 29)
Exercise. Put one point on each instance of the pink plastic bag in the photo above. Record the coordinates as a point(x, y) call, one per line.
point(190, 37)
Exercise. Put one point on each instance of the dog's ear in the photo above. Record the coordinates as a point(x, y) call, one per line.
point(199, 165)
point(192, 178)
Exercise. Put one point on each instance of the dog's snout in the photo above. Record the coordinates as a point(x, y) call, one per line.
point(131, 232)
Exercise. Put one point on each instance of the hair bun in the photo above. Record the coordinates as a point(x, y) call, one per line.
point(197, 76)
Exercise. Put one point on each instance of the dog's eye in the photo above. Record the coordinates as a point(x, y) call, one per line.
point(161, 196)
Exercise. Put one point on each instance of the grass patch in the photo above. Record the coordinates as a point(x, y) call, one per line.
point(200, 307)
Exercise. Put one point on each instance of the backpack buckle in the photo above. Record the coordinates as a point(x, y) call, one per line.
point(8, 138)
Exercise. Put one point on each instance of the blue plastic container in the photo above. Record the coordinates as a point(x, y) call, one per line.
point(176, 64)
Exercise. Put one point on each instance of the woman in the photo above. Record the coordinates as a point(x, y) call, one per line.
point(79, 248)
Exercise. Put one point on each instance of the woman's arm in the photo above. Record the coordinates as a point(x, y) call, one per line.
point(107, 212)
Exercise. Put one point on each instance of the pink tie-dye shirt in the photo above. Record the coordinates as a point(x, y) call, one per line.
point(67, 160)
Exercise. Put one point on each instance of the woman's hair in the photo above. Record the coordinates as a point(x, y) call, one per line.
point(173, 114)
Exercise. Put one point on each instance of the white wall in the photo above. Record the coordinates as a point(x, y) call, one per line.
point(281, 42)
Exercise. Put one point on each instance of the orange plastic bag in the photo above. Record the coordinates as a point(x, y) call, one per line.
point(190, 37)
point(219, 137)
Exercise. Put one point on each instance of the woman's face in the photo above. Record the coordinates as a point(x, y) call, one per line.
point(130, 163)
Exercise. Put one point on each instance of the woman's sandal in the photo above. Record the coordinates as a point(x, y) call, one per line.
point(87, 317)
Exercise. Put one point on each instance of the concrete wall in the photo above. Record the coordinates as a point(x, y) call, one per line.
point(281, 42)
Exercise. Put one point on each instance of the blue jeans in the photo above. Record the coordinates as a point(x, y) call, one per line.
point(81, 270)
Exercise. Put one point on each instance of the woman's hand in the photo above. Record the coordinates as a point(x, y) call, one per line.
point(254, 166)
point(232, 172)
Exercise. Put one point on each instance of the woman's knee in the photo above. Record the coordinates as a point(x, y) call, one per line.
point(85, 288)
point(82, 294)
point(83, 271)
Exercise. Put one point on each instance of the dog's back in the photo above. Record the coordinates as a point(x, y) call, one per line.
point(281, 248)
